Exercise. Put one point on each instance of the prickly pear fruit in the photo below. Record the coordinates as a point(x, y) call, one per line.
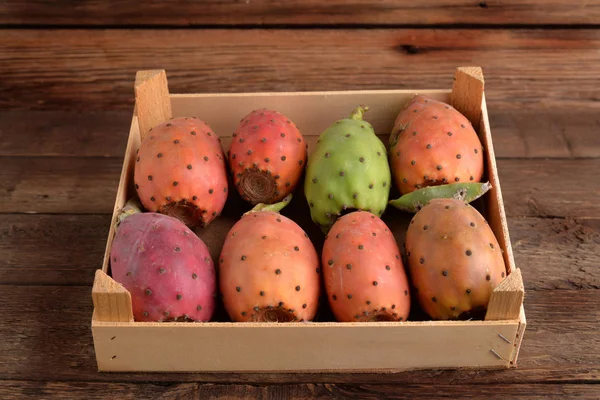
point(267, 156)
point(166, 268)
point(467, 192)
point(454, 259)
point(363, 271)
point(348, 170)
point(433, 144)
point(180, 171)
point(269, 269)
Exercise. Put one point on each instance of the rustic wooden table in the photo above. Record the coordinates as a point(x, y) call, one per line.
point(66, 100)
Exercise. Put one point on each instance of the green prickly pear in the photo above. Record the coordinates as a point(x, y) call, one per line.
point(454, 259)
point(348, 170)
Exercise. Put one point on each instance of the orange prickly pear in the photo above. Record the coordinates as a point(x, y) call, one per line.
point(454, 259)
point(363, 271)
point(433, 144)
point(180, 171)
point(269, 269)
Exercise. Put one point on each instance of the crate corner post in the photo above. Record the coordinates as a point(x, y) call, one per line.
point(112, 302)
point(467, 93)
point(507, 298)
point(152, 100)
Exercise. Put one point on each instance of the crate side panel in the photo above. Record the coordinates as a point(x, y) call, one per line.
point(494, 204)
point(519, 337)
point(127, 347)
point(125, 188)
point(313, 112)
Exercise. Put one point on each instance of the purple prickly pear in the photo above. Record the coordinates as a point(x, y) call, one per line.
point(166, 268)
point(454, 259)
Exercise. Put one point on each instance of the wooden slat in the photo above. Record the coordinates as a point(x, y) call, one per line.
point(545, 188)
point(63, 249)
point(305, 12)
point(88, 185)
point(379, 391)
point(51, 249)
point(93, 70)
point(19, 390)
point(545, 133)
point(561, 344)
point(64, 133)
point(540, 133)
point(13, 390)
point(58, 184)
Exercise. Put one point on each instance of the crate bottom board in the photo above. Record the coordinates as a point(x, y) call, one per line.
point(308, 347)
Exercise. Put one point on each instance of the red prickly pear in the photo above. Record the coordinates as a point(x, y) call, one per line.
point(363, 271)
point(166, 268)
point(433, 144)
point(267, 157)
point(180, 171)
point(454, 259)
point(269, 269)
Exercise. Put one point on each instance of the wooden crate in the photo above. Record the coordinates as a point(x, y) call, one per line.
point(123, 345)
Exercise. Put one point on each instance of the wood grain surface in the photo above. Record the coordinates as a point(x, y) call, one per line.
point(95, 69)
point(66, 100)
point(306, 12)
point(553, 253)
point(88, 185)
point(561, 345)
point(12, 390)
point(517, 134)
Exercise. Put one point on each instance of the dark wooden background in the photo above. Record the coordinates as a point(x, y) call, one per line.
point(66, 99)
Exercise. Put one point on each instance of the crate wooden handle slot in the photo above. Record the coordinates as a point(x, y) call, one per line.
point(152, 100)
point(112, 302)
point(507, 298)
point(467, 93)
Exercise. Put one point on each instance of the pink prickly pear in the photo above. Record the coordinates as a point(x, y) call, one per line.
point(269, 269)
point(180, 171)
point(454, 259)
point(267, 156)
point(166, 268)
point(364, 275)
point(433, 144)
